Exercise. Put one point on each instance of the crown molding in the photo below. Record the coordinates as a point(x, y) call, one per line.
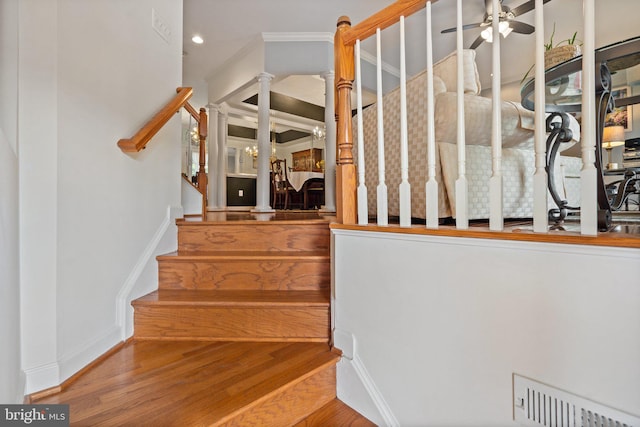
point(371, 59)
point(297, 37)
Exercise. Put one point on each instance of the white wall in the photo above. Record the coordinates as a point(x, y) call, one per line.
point(92, 73)
point(440, 324)
point(37, 159)
point(11, 387)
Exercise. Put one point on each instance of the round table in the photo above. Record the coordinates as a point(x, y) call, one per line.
point(563, 95)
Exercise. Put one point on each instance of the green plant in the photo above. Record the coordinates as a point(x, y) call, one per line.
point(571, 40)
point(548, 46)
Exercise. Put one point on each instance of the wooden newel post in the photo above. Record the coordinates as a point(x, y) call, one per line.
point(346, 206)
point(202, 133)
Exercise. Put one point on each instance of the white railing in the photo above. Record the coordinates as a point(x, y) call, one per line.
point(589, 205)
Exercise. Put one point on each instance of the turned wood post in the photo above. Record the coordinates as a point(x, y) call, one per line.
point(346, 207)
point(202, 175)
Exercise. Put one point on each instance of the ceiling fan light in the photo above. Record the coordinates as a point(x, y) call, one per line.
point(487, 34)
point(504, 28)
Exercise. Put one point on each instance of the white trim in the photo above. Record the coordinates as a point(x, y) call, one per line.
point(346, 342)
point(374, 392)
point(269, 37)
point(247, 112)
point(122, 299)
point(42, 377)
point(371, 59)
point(22, 387)
point(548, 248)
point(77, 359)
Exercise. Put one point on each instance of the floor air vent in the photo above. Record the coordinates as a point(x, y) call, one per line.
point(537, 404)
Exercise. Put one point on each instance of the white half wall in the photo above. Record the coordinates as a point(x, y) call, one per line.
point(92, 73)
point(441, 324)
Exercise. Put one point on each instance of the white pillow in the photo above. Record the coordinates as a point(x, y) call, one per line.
point(447, 70)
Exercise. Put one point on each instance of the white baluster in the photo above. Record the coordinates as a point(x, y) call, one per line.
point(462, 216)
point(588, 174)
point(212, 186)
point(363, 213)
point(405, 188)
point(383, 214)
point(330, 143)
point(496, 222)
point(223, 123)
point(540, 205)
point(431, 186)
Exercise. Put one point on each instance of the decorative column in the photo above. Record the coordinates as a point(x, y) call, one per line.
point(212, 190)
point(222, 158)
point(330, 143)
point(264, 144)
point(236, 166)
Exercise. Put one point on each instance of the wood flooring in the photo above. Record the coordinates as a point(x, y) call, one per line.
point(237, 334)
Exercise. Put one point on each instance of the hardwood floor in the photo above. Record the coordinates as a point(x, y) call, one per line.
point(185, 383)
point(335, 413)
point(237, 334)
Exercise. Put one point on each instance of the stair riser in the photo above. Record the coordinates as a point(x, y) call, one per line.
point(244, 275)
point(232, 323)
point(252, 237)
point(290, 405)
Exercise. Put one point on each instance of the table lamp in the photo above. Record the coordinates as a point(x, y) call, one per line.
point(613, 136)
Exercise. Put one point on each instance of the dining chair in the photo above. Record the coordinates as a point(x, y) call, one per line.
point(280, 183)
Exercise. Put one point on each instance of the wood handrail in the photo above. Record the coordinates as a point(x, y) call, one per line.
point(139, 141)
point(192, 111)
point(344, 41)
point(382, 19)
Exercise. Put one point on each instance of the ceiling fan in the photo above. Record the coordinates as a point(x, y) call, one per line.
point(507, 21)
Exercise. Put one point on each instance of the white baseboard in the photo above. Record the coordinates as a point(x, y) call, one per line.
point(77, 359)
point(123, 302)
point(356, 387)
point(41, 378)
point(53, 374)
point(22, 387)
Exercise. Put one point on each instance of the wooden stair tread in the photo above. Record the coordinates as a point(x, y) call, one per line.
point(335, 413)
point(198, 222)
point(192, 383)
point(189, 256)
point(246, 298)
point(263, 236)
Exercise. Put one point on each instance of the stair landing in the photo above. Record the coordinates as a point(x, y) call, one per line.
point(183, 383)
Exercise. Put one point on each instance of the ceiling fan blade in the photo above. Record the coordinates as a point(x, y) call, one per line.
point(464, 27)
point(521, 27)
point(525, 7)
point(477, 42)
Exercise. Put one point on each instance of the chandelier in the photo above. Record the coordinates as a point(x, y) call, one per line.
point(252, 151)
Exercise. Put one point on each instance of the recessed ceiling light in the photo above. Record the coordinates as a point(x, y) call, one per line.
point(197, 39)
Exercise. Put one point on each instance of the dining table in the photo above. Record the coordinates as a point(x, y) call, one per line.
point(563, 95)
point(300, 180)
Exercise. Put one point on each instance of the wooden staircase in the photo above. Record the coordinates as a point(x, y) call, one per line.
point(241, 281)
point(237, 334)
